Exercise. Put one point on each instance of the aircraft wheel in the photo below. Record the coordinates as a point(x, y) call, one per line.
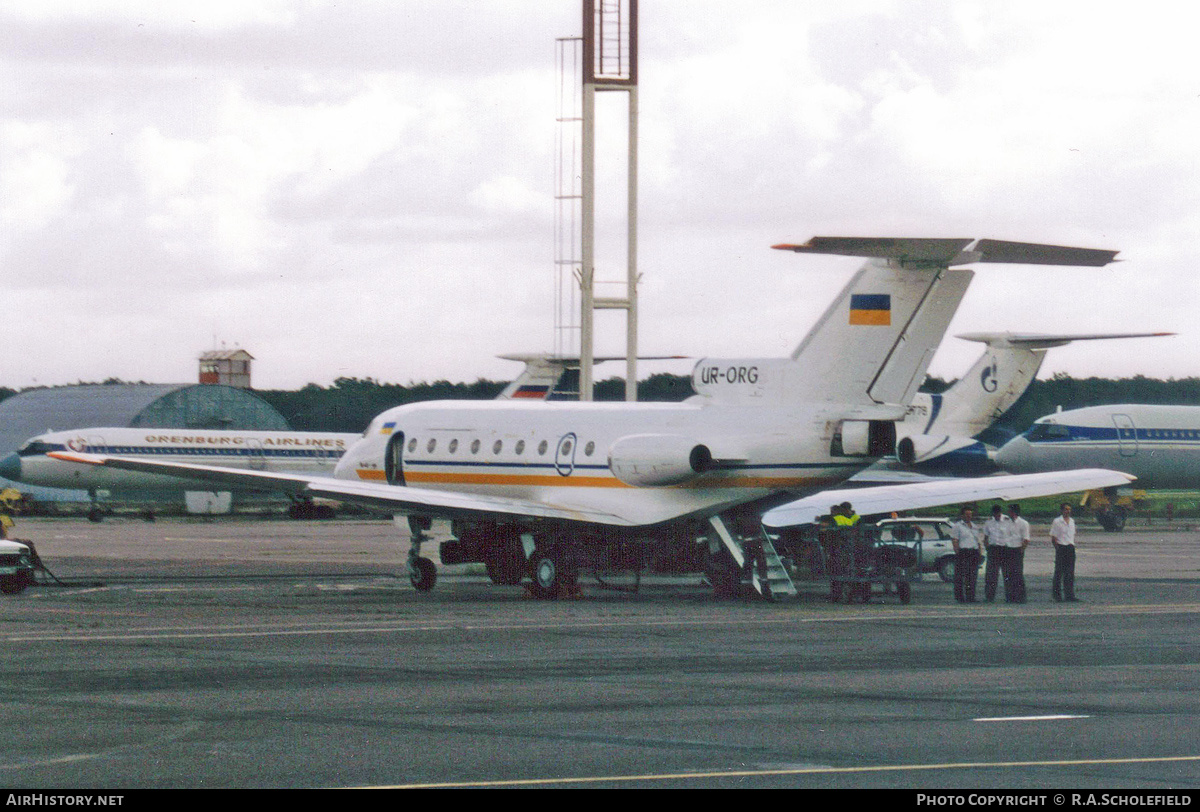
point(904, 590)
point(422, 574)
point(945, 569)
point(14, 585)
point(1118, 519)
point(549, 575)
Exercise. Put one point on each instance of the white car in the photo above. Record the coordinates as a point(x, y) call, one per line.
point(937, 552)
point(16, 567)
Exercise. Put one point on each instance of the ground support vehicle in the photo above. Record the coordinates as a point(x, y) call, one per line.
point(935, 552)
point(853, 560)
point(16, 567)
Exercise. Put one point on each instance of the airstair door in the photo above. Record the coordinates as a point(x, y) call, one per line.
point(393, 460)
point(1126, 435)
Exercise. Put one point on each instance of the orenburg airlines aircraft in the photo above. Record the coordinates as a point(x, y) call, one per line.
point(541, 490)
point(940, 434)
point(1159, 444)
point(287, 452)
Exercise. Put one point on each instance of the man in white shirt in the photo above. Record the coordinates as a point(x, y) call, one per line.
point(1022, 536)
point(1062, 534)
point(997, 533)
point(967, 540)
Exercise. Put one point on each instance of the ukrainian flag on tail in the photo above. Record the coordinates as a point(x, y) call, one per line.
point(872, 309)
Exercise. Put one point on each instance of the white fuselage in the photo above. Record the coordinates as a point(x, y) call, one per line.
point(564, 455)
point(287, 452)
point(1160, 445)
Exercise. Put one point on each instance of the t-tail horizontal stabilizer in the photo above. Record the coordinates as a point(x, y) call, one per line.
point(921, 251)
point(875, 341)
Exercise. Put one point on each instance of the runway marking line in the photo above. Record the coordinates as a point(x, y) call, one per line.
point(1050, 717)
point(535, 782)
point(185, 633)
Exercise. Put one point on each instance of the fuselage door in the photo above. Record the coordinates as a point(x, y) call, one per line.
point(393, 459)
point(258, 457)
point(564, 456)
point(1126, 434)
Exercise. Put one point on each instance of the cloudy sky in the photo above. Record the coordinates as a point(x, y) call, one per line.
point(366, 188)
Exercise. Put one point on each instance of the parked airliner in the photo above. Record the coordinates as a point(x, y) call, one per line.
point(1158, 444)
point(287, 452)
point(941, 432)
point(541, 490)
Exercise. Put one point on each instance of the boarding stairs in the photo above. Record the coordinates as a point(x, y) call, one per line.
point(768, 574)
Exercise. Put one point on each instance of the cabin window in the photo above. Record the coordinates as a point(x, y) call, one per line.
point(520, 447)
point(590, 448)
point(453, 446)
point(432, 444)
point(412, 445)
point(475, 447)
point(542, 446)
point(496, 448)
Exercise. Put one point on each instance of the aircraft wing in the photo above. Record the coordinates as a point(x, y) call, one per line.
point(401, 499)
point(888, 498)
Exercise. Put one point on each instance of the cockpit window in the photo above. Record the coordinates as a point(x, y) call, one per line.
point(34, 448)
point(1048, 431)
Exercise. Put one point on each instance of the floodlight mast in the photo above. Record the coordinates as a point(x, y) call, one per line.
point(609, 63)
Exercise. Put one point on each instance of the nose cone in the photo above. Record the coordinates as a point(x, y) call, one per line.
point(10, 467)
point(1014, 456)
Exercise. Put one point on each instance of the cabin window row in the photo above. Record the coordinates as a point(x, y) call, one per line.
point(543, 447)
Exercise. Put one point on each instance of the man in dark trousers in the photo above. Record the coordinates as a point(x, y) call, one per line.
point(967, 539)
point(1022, 535)
point(1062, 535)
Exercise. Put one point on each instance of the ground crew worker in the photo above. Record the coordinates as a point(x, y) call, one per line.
point(1062, 535)
point(1022, 536)
point(997, 540)
point(967, 539)
point(845, 517)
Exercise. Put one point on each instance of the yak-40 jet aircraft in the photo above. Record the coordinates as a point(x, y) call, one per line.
point(541, 490)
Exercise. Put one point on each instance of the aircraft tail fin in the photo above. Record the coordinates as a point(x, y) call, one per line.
point(538, 379)
point(875, 341)
point(999, 377)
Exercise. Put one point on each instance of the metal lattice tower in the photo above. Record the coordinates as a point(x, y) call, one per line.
point(603, 60)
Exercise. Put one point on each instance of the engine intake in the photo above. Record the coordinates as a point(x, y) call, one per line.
point(960, 456)
point(657, 460)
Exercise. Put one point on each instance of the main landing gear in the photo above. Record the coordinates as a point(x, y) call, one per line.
point(548, 566)
point(422, 574)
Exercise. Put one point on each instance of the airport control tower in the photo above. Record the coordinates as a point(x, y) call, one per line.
point(603, 60)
